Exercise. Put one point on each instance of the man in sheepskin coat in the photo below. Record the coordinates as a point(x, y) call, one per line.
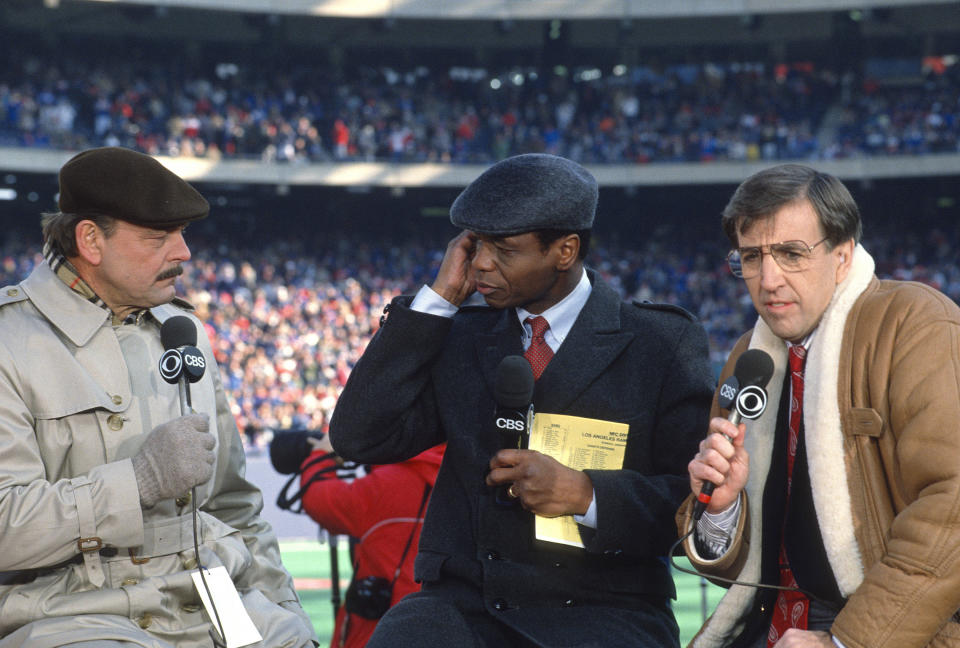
point(851, 496)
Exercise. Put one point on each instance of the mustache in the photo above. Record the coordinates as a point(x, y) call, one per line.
point(175, 271)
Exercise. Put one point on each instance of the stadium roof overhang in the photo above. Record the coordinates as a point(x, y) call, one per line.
point(457, 176)
point(521, 9)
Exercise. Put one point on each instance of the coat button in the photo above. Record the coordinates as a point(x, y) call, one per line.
point(12, 292)
point(117, 399)
point(190, 563)
point(183, 500)
point(493, 555)
point(190, 607)
point(558, 564)
point(129, 581)
point(568, 603)
point(145, 621)
point(115, 422)
point(500, 605)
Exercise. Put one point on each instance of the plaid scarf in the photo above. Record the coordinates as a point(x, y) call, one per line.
point(69, 275)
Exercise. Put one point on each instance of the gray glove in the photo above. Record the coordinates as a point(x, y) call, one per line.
point(176, 456)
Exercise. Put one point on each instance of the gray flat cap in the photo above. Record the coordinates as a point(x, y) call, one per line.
point(525, 193)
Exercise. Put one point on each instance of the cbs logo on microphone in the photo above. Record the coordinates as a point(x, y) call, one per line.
point(751, 401)
point(187, 362)
point(511, 424)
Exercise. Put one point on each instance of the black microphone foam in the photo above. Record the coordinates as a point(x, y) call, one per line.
point(178, 331)
point(513, 386)
point(754, 367)
point(744, 395)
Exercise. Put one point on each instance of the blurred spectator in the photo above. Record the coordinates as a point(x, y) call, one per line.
point(675, 112)
point(287, 326)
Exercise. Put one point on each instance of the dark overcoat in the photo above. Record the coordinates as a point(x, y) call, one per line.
point(426, 379)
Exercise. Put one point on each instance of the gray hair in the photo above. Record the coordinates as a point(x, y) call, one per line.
point(60, 230)
point(761, 195)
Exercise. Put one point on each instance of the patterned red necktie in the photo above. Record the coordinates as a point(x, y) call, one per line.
point(538, 354)
point(792, 608)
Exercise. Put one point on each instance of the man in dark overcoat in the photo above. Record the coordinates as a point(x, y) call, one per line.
point(428, 377)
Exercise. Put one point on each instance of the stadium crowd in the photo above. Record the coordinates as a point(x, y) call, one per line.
point(669, 113)
point(288, 325)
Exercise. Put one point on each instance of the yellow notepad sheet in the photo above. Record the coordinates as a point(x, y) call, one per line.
point(578, 443)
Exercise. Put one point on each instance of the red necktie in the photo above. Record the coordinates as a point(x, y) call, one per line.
point(792, 608)
point(538, 354)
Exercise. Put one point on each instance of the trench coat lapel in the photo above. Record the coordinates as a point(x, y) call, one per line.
point(76, 317)
point(80, 321)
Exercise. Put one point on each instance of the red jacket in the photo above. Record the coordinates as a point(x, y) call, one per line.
point(380, 510)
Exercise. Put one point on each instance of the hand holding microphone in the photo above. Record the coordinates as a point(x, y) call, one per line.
point(177, 455)
point(743, 394)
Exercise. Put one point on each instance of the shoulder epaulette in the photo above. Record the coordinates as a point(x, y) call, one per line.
point(670, 308)
point(11, 294)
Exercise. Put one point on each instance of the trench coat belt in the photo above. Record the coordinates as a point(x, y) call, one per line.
point(164, 537)
point(171, 536)
point(160, 538)
point(89, 544)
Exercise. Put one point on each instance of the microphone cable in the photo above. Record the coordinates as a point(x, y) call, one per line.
point(196, 552)
point(810, 595)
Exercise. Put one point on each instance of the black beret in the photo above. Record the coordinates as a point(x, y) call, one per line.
point(131, 186)
point(529, 192)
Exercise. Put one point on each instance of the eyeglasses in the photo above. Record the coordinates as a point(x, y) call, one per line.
point(791, 256)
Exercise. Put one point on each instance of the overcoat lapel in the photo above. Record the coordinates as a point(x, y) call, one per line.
point(494, 346)
point(592, 345)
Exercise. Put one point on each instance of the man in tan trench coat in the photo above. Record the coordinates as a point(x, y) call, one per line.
point(97, 463)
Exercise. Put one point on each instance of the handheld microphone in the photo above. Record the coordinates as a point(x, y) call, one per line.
point(513, 414)
point(182, 363)
point(743, 394)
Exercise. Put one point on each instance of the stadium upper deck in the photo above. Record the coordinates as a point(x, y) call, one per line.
point(487, 37)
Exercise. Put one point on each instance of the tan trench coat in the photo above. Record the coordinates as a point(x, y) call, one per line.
point(77, 398)
point(882, 420)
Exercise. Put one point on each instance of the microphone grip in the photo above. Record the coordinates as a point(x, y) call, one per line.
point(706, 491)
point(502, 496)
point(183, 391)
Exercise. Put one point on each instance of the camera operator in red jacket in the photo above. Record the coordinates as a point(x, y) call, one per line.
point(383, 511)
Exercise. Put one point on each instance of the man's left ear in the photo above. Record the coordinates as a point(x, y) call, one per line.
point(87, 237)
point(569, 251)
point(845, 253)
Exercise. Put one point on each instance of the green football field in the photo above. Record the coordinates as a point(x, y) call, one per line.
point(309, 563)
